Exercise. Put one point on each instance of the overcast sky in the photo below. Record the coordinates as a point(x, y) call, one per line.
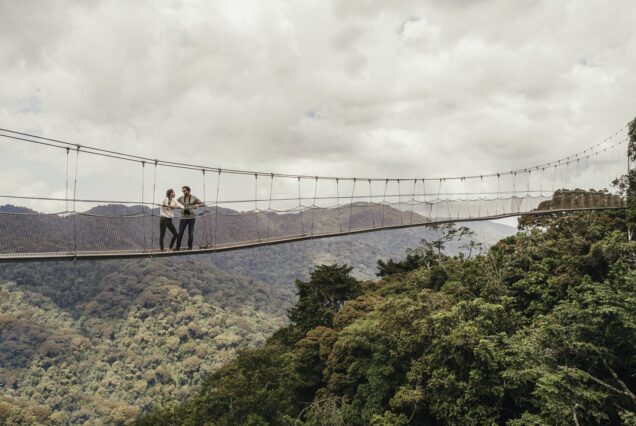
point(350, 88)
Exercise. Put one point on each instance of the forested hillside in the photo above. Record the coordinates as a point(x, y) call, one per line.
point(100, 342)
point(360, 251)
point(541, 329)
point(165, 323)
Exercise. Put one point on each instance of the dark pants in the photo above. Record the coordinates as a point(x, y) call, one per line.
point(166, 222)
point(183, 223)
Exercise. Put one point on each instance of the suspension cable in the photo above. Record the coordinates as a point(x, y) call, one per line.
point(371, 204)
point(216, 209)
point(351, 203)
point(386, 184)
point(75, 198)
point(497, 197)
point(338, 203)
point(56, 143)
point(67, 155)
point(438, 202)
point(459, 200)
point(154, 191)
point(269, 206)
point(143, 216)
point(313, 206)
point(300, 207)
point(206, 235)
point(413, 200)
point(258, 232)
point(481, 191)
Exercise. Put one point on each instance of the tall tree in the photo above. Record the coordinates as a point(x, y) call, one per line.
point(627, 183)
point(631, 181)
point(319, 299)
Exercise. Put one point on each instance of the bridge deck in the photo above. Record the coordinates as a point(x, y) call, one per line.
point(223, 247)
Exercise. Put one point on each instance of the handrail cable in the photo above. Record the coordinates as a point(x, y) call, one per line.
point(216, 209)
point(137, 158)
point(351, 203)
point(154, 189)
point(74, 198)
point(269, 206)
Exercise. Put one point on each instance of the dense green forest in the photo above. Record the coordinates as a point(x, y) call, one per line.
point(541, 329)
point(101, 342)
point(163, 322)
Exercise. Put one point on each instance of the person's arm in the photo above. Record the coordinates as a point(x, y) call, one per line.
point(178, 205)
point(198, 202)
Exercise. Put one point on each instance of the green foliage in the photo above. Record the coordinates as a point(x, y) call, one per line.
point(140, 334)
point(626, 183)
point(539, 330)
point(431, 252)
point(320, 298)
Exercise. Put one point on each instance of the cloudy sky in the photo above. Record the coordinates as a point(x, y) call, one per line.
point(349, 88)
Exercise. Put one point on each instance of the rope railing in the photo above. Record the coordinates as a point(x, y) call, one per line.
point(590, 152)
point(290, 207)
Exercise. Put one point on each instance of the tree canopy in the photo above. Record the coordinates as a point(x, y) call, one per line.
point(540, 329)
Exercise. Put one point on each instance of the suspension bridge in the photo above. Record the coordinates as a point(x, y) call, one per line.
point(243, 208)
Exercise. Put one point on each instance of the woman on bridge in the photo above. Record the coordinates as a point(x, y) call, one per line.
point(165, 221)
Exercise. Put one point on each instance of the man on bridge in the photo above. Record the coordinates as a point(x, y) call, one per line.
point(188, 216)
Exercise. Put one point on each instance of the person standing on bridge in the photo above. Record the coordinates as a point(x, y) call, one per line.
point(188, 215)
point(165, 221)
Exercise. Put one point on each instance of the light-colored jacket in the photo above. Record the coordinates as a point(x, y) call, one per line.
point(165, 211)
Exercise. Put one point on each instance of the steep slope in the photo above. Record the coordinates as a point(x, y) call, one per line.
point(166, 323)
point(540, 330)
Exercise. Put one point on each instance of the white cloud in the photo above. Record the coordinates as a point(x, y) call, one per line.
point(350, 88)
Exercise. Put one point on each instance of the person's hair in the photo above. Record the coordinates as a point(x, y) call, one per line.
point(169, 191)
point(186, 187)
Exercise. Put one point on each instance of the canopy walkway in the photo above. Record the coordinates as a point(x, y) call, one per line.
point(252, 208)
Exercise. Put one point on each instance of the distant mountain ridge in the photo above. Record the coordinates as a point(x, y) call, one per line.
point(120, 227)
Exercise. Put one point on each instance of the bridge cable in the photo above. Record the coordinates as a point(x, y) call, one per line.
point(258, 232)
point(74, 200)
point(351, 203)
point(386, 184)
point(438, 202)
point(514, 192)
point(216, 209)
point(143, 215)
point(67, 199)
point(301, 208)
point(269, 206)
point(154, 191)
point(338, 203)
point(400, 202)
point(371, 204)
point(67, 155)
point(205, 216)
point(448, 204)
point(528, 190)
point(481, 192)
point(459, 200)
point(313, 206)
point(413, 200)
point(497, 195)
point(428, 203)
point(130, 157)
